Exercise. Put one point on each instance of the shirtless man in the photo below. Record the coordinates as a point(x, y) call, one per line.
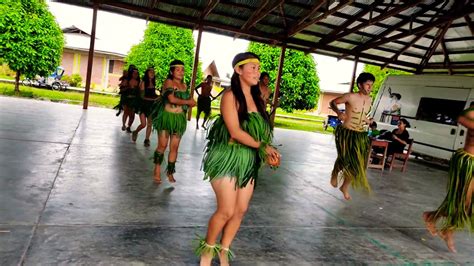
point(457, 206)
point(264, 89)
point(352, 142)
point(204, 100)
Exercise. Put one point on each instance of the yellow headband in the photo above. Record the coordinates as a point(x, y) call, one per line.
point(250, 60)
point(177, 65)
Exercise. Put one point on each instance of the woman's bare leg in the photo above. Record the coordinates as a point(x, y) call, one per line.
point(173, 154)
point(226, 196)
point(148, 127)
point(131, 117)
point(140, 127)
point(124, 116)
point(160, 148)
point(244, 195)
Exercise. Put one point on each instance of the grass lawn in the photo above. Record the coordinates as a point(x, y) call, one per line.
point(110, 101)
point(59, 96)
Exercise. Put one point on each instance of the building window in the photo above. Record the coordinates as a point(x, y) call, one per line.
point(111, 66)
point(439, 110)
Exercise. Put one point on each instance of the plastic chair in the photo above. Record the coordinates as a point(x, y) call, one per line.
point(401, 157)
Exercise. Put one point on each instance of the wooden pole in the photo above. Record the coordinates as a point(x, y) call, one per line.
point(91, 57)
point(195, 68)
point(351, 89)
point(277, 84)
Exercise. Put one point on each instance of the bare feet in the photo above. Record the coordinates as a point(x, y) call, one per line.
point(429, 224)
point(334, 181)
point(223, 259)
point(157, 175)
point(134, 136)
point(171, 178)
point(345, 191)
point(447, 236)
point(206, 259)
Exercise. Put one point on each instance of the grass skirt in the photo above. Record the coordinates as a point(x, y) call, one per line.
point(353, 149)
point(454, 208)
point(173, 123)
point(223, 158)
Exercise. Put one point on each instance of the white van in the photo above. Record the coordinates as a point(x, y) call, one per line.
point(432, 104)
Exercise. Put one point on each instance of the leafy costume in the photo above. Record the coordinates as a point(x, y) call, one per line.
point(353, 149)
point(457, 214)
point(173, 123)
point(226, 158)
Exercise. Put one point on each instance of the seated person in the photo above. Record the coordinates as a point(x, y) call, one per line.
point(398, 137)
point(373, 132)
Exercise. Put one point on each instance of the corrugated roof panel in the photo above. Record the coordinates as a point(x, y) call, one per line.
point(334, 20)
point(229, 16)
point(343, 45)
point(410, 59)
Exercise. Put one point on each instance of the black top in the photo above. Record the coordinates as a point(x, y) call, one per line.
point(150, 93)
point(396, 146)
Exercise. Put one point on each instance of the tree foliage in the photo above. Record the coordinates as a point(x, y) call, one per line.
point(31, 42)
point(161, 45)
point(299, 88)
point(380, 75)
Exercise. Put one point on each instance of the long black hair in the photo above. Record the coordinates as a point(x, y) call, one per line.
point(132, 68)
point(147, 80)
point(173, 65)
point(236, 88)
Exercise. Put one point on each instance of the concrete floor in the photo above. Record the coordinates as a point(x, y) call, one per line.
point(75, 190)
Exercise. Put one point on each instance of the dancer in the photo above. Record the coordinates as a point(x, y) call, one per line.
point(119, 106)
point(148, 96)
point(131, 93)
point(204, 100)
point(170, 119)
point(124, 99)
point(457, 207)
point(239, 142)
point(352, 142)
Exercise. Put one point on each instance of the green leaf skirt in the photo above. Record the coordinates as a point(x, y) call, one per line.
point(457, 214)
point(353, 149)
point(225, 158)
point(173, 123)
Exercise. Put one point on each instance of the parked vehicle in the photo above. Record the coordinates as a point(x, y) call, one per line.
point(53, 82)
point(432, 104)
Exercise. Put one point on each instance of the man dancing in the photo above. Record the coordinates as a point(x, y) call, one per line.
point(352, 142)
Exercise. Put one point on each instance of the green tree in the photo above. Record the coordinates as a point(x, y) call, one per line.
point(380, 75)
point(161, 45)
point(31, 42)
point(299, 88)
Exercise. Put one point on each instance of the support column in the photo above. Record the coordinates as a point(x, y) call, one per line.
point(91, 57)
point(276, 94)
point(351, 89)
point(195, 68)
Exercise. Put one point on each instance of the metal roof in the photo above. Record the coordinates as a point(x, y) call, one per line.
point(432, 36)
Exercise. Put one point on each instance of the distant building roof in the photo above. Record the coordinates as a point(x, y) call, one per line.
point(336, 88)
point(77, 39)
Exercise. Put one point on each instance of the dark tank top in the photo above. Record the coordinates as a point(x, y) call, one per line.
point(150, 93)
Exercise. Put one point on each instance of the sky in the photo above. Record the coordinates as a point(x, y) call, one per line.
point(121, 32)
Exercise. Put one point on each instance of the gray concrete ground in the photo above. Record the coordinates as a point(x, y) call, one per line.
point(75, 190)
